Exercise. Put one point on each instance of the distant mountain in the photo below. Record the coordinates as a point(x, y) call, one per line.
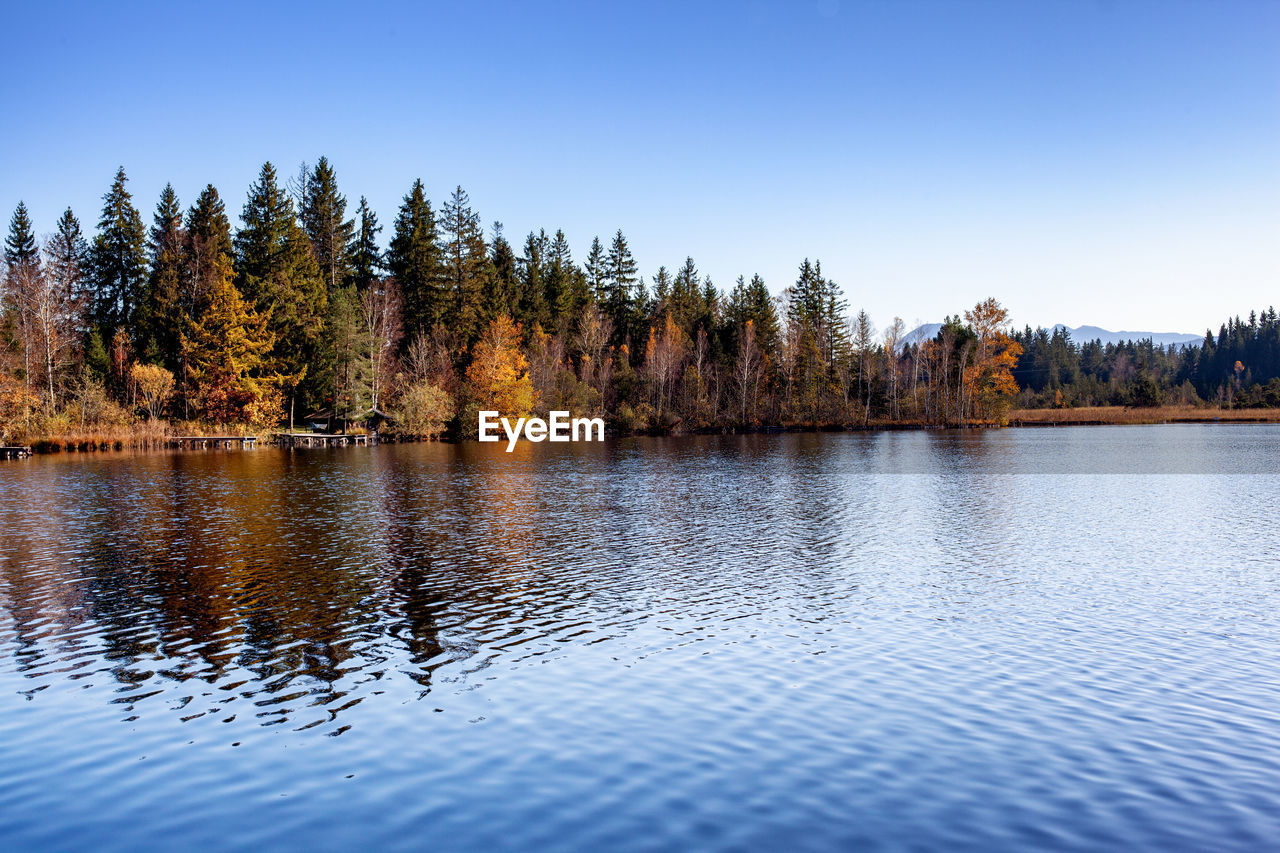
point(1081, 334)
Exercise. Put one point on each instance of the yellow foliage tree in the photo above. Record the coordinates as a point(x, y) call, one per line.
point(154, 385)
point(226, 349)
point(499, 372)
point(990, 379)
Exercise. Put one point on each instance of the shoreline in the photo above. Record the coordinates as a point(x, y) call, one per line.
point(1019, 418)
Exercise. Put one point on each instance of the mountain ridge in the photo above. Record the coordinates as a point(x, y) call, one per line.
point(1082, 334)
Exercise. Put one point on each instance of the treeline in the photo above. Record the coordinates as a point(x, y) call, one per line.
point(1237, 368)
point(300, 311)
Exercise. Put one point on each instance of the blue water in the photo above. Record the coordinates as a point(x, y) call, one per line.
point(1062, 639)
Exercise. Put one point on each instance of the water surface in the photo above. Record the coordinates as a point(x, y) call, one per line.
point(988, 640)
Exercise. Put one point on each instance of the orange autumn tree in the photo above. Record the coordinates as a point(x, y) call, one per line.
point(991, 386)
point(499, 373)
point(226, 350)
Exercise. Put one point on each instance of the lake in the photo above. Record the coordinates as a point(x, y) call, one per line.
point(1061, 638)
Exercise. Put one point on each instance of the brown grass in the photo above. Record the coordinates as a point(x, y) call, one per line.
point(1128, 415)
point(141, 435)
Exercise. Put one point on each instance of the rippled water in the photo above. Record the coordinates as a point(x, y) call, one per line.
point(1054, 638)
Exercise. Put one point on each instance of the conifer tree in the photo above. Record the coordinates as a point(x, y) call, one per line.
point(620, 279)
point(323, 213)
point(533, 291)
point(414, 260)
point(208, 236)
point(278, 274)
point(366, 258)
point(23, 282)
point(466, 263)
point(504, 293)
point(20, 250)
point(228, 355)
point(561, 297)
point(595, 270)
point(68, 261)
point(118, 260)
point(160, 313)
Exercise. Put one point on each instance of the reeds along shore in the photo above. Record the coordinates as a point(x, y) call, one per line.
point(1104, 415)
point(158, 435)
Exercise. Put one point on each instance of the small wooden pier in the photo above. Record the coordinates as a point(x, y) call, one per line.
point(14, 452)
point(214, 442)
point(319, 439)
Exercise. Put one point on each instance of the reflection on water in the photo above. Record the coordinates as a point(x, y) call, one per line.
point(797, 641)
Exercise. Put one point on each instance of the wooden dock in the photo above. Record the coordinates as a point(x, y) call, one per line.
point(318, 439)
point(214, 442)
point(14, 452)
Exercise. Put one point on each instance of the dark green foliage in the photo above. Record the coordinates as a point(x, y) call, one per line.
point(20, 250)
point(366, 258)
point(595, 271)
point(414, 260)
point(277, 272)
point(68, 264)
point(466, 264)
point(118, 260)
point(322, 211)
point(622, 301)
point(505, 290)
point(532, 306)
point(160, 314)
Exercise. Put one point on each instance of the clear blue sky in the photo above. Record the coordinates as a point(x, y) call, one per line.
point(1114, 163)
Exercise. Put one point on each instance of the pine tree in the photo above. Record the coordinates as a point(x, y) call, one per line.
point(20, 250)
point(596, 273)
point(22, 286)
point(161, 313)
point(366, 257)
point(208, 232)
point(686, 296)
point(118, 260)
point(504, 294)
point(323, 214)
point(562, 297)
point(414, 261)
point(278, 274)
point(620, 279)
point(466, 263)
point(533, 292)
point(68, 261)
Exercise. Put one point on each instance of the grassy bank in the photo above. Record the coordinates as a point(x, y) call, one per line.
point(1101, 415)
point(142, 435)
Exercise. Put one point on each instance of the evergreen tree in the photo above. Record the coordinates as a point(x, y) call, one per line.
point(68, 255)
point(686, 297)
point(208, 231)
point(22, 286)
point(323, 213)
point(278, 274)
point(20, 250)
point(366, 257)
point(620, 279)
point(118, 260)
point(596, 270)
point(414, 261)
point(533, 293)
point(504, 294)
point(562, 294)
point(161, 312)
point(466, 263)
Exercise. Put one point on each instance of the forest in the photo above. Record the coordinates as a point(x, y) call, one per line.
point(300, 313)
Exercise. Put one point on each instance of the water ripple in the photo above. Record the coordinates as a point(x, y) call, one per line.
point(902, 641)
